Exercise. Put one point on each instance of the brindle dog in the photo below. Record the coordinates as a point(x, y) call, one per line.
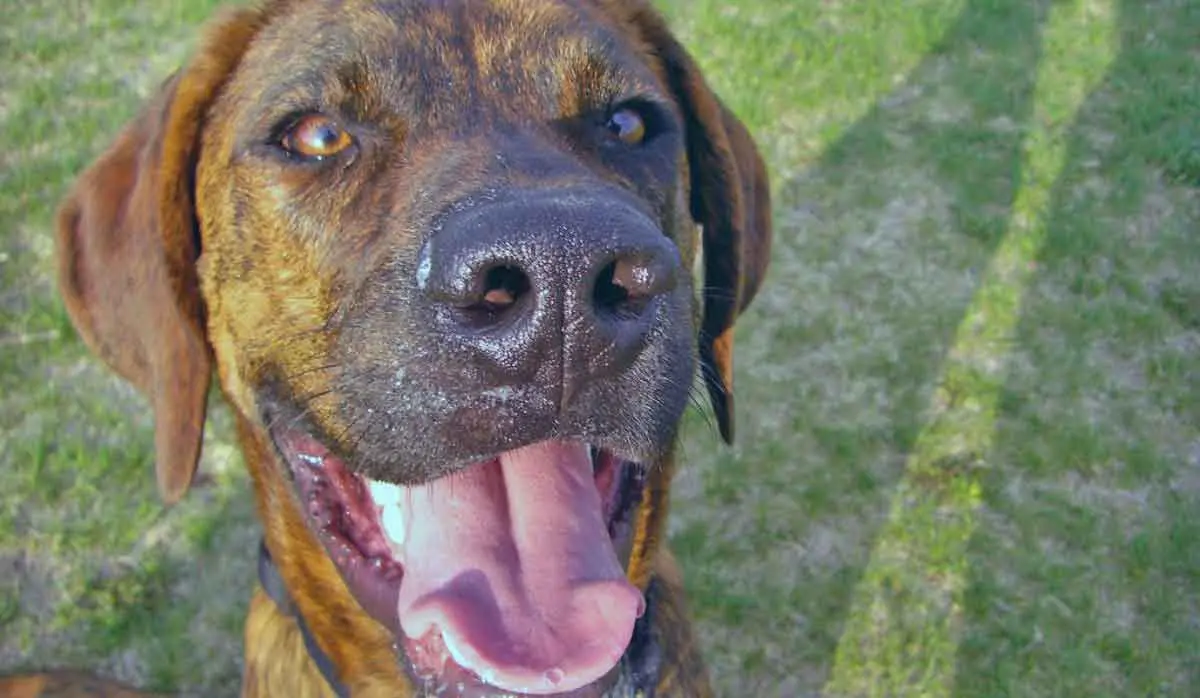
point(439, 254)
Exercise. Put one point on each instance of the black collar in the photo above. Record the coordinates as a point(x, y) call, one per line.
point(272, 583)
point(639, 667)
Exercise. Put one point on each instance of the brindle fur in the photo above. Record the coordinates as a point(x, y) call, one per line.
point(260, 303)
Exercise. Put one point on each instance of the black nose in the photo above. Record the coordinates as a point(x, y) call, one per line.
point(540, 278)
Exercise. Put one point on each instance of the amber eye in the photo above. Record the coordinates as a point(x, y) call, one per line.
point(627, 125)
point(316, 136)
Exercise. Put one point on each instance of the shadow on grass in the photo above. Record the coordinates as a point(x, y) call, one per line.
point(879, 248)
point(1047, 514)
point(1084, 573)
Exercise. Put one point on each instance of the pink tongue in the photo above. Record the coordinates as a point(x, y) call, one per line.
point(512, 562)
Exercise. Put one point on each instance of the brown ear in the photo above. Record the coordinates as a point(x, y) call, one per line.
point(127, 246)
point(730, 198)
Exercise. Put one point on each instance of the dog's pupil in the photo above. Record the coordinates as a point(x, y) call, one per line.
point(326, 136)
point(627, 125)
point(317, 136)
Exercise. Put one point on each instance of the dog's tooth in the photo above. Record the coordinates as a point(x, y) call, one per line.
point(392, 522)
point(384, 493)
point(311, 460)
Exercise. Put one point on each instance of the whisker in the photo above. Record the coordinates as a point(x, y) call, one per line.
point(718, 292)
point(712, 377)
point(361, 435)
point(705, 413)
point(275, 341)
point(702, 334)
point(341, 438)
point(306, 404)
point(310, 370)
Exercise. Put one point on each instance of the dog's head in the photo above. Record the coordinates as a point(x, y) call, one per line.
point(440, 254)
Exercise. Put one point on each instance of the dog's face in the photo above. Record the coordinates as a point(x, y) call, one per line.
point(441, 255)
point(486, 230)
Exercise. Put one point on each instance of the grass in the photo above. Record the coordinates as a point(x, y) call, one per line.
point(969, 440)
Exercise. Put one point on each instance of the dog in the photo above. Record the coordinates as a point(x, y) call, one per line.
point(440, 256)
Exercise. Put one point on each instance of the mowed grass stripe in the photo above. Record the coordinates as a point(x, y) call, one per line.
point(902, 631)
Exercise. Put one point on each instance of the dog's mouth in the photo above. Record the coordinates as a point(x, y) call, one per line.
point(503, 578)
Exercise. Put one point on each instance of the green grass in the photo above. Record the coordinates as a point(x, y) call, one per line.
point(969, 439)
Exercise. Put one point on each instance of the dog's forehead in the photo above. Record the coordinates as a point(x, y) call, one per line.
point(431, 58)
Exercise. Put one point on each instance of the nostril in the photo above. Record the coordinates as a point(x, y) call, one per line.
point(608, 294)
point(503, 286)
point(623, 286)
point(493, 295)
point(635, 278)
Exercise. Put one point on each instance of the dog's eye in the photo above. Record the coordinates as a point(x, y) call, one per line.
point(628, 125)
point(316, 136)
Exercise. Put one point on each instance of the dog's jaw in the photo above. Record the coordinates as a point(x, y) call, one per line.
point(503, 578)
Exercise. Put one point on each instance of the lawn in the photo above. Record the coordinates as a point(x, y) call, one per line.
point(968, 460)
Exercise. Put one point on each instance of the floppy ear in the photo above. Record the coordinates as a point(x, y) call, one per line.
point(127, 246)
point(730, 198)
